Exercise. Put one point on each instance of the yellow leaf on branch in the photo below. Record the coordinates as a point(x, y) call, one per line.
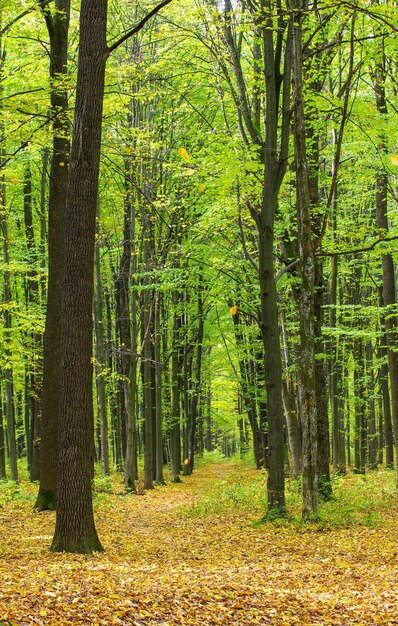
point(183, 154)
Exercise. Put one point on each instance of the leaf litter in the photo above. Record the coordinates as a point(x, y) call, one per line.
point(165, 566)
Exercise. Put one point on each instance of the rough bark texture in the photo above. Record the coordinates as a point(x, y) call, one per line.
point(58, 26)
point(75, 530)
point(389, 287)
point(307, 309)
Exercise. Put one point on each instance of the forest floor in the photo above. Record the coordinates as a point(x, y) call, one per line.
point(195, 554)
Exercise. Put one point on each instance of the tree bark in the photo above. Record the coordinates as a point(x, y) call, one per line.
point(198, 380)
point(7, 324)
point(100, 357)
point(3, 475)
point(75, 530)
point(389, 286)
point(306, 297)
point(176, 364)
point(58, 27)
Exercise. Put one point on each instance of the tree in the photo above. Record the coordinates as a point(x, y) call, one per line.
point(75, 530)
point(58, 26)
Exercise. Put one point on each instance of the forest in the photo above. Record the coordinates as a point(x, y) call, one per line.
point(199, 225)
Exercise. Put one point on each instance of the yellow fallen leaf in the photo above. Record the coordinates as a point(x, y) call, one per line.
point(394, 159)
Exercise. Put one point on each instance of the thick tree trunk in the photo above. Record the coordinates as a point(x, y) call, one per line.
point(273, 368)
point(75, 530)
point(306, 298)
point(58, 27)
point(389, 286)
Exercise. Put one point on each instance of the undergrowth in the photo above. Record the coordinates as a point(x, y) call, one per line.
point(357, 500)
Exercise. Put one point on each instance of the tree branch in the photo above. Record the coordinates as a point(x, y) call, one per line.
point(138, 26)
point(357, 250)
point(16, 19)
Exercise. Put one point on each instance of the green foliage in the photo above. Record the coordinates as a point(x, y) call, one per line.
point(357, 501)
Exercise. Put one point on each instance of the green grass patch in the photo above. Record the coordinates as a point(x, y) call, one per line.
point(357, 500)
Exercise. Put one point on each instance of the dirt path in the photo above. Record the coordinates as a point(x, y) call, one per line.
point(165, 567)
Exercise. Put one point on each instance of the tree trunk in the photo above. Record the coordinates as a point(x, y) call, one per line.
point(323, 439)
point(291, 411)
point(247, 383)
point(198, 380)
point(176, 363)
point(158, 394)
point(386, 407)
point(58, 27)
point(33, 378)
point(75, 530)
point(3, 475)
point(7, 324)
point(307, 308)
point(127, 311)
point(338, 444)
point(147, 329)
point(389, 286)
point(360, 423)
point(100, 366)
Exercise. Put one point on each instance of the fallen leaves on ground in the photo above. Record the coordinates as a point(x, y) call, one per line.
point(163, 567)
